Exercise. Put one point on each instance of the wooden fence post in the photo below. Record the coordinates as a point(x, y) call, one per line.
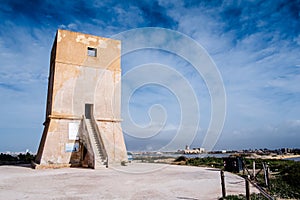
point(247, 189)
point(254, 169)
point(266, 173)
point(223, 184)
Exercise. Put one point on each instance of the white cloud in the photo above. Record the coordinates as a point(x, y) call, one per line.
point(257, 55)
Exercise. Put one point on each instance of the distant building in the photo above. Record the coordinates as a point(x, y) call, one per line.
point(82, 125)
point(194, 151)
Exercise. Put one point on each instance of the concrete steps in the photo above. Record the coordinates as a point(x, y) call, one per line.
point(100, 160)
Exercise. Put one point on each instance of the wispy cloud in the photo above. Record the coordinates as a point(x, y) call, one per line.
point(255, 45)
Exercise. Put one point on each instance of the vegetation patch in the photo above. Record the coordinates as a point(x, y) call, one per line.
point(208, 161)
point(284, 176)
point(7, 159)
point(243, 197)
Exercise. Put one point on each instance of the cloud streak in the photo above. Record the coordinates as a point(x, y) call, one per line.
point(255, 45)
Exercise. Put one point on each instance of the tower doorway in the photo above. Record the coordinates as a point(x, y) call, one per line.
point(88, 111)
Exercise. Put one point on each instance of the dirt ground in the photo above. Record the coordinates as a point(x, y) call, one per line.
point(135, 181)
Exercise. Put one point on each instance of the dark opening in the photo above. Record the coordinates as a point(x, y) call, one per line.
point(88, 111)
point(92, 52)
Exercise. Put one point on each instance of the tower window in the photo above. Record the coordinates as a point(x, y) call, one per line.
point(92, 52)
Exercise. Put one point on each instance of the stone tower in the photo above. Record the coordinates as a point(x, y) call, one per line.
point(83, 125)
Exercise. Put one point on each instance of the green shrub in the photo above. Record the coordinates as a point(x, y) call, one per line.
point(243, 197)
point(208, 161)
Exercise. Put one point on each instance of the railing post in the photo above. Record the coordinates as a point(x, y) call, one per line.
point(266, 173)
point(247, 189)
point(254, 174)
point(223, 184)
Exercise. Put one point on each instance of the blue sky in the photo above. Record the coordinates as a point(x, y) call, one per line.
point(254, 44)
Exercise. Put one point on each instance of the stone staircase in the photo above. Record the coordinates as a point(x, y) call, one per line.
point(99, 156)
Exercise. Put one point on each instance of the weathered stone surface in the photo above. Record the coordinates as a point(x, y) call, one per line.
point(75, 80)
